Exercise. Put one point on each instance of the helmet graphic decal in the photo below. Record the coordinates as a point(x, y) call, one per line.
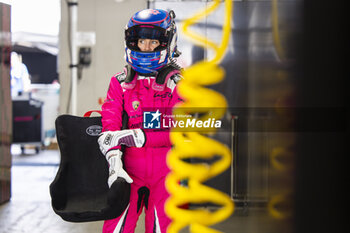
point(154, 11)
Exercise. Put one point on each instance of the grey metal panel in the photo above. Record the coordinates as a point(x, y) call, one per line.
point(256, 77)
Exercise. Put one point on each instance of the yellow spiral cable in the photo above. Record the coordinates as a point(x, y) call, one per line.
point(191, 144)
point(282, 198)
point(275, 32)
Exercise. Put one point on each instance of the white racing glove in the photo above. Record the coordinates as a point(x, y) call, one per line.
point(116, 167)
point(127, 137)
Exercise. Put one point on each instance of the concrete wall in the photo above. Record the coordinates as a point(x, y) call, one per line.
point(5, 104)
point(107, 18)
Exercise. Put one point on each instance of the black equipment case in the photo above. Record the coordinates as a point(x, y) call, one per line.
point(27, 122)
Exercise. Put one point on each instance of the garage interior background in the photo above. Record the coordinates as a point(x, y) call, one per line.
point(301, 165)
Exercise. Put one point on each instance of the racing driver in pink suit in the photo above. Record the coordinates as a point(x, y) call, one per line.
point(144, 91)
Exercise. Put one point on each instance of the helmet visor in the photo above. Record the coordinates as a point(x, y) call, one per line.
point(133, 34)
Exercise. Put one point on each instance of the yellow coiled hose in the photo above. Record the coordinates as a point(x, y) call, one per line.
point(282, 198)
point(276, 33)
point(197, 98)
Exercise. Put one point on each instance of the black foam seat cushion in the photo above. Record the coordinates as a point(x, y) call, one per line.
point(79, 192)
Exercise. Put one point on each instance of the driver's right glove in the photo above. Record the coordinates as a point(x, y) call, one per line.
point(116, 167)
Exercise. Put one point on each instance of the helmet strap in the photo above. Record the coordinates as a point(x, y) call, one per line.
point(130, 80)
point(163, 76)
point(130, 73)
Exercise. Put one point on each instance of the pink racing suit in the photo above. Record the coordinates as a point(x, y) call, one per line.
point(147, 165)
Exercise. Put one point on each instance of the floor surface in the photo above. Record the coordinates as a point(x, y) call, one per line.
point(29, 210)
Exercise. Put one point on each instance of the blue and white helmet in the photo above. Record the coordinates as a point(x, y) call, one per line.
point(151, 24)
